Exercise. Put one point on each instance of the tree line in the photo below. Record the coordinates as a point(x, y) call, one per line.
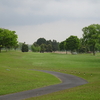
point(43, 45)
point(90, 41)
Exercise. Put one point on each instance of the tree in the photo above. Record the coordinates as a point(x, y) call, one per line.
point(48, 48)
point(55, 45)
point(48, 42)
point(72, 43)
point(16, 46)
point(35, 48)
point(42, 46)
point(82, 47)
point(41, 41)
point(98, 47)
point(47, 45)
point(24, 47)
point(91, 36)
point(8, 38)
point(62, 45)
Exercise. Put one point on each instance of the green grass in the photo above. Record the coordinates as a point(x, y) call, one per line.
point(15, 74)
point(83, 65)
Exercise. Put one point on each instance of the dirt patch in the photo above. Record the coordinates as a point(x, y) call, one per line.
point(62, 52)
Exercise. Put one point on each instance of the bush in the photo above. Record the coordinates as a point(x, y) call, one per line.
point(35, 48)
point(25, 47)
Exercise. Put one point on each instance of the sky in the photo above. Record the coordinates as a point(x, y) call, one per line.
point(49, 19)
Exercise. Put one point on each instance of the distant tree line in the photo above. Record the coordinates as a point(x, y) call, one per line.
point(8, 39)
point(90, 42)
point(43, 45)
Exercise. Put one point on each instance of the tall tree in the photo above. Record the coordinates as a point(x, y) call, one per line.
point(41, 41)
point(72, 43)
point(8, 38)
point(55, 45)
point(91, 35)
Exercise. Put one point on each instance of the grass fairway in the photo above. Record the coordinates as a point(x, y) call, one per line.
point(85, 66)
point(15, 74)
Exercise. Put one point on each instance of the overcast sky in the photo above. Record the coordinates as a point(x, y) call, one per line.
point(50, 19)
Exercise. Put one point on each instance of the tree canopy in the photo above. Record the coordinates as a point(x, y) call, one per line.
point(44, 45)
point(8, 38)
point(62, 45)
point(41, 41)
point(91, 36)
point(72, 43)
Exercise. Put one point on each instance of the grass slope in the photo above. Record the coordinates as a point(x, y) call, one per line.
point(84, 65)
point(15, 74)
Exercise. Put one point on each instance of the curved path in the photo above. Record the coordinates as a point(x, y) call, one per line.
point(68, 81)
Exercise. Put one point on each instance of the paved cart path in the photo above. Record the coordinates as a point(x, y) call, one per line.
point(68, 81)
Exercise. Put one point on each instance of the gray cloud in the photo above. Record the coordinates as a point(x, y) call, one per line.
point(37, 14)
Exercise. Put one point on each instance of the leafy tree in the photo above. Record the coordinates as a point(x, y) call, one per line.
point(42, 46)
point(72, 43)
point(48, 48)
point(62, 45)
point(24, 47)
point(41, 41)
point(98, 47)
point(48, 42)
point(55, 45)
point(91, 36)
point(82, 47)
point(35, 44)
point(35, 48)
point(47, 45)
point(8, 38)
point(16, 46)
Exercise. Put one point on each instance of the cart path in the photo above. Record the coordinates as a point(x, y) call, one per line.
point(68, 81)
